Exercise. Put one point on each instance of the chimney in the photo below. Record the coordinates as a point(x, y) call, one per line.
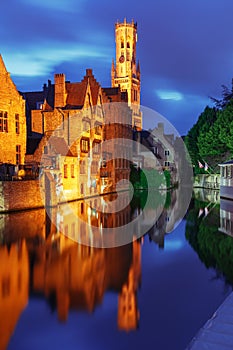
point(60, 90)
point(161, 128)
point(89, 72)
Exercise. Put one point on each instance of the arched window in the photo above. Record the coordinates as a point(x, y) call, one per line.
point(122, 43)
point(128, 45)
point(98, 128)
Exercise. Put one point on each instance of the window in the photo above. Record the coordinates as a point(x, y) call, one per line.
point(225, 171)
point(84, 145)
point(222, 171)
point(73, 229)
point(39, 105)
point(98, 128)
point(82, 166)
point(94, 167)
point(5, 287)
point(96, 147)
point(19, 281)
point(122, 43)
point(82, 192)
point(3, 122)
point(166, 152)
point(167, 163)
point(72, 170)
point(18, 154)
point(66, 230)
point(45, 149)
point(65, 171)
point(17, 123)
point(229, 172)
point(128, 45)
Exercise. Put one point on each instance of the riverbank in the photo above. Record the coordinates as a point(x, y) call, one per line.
point(28, 195)
point(209, 181)
point(217, 333)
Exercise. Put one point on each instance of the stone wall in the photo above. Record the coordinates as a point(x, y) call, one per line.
point(20, 195)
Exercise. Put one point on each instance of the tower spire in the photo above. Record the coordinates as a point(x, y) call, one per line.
point(125, 73)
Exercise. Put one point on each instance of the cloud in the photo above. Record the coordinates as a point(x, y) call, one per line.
point(41, 62)
point(169, 95)
point(58, 5)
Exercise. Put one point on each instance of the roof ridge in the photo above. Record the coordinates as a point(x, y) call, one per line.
point(3, 69)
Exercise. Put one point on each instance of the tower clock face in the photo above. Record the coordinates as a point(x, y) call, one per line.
point(122, 59)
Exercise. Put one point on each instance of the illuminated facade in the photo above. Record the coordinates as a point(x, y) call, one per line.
point(126, 72)
point(70, 121)
point(12, 120)
point(14, 282)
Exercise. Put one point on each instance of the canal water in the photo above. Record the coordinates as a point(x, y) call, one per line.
point(155, 292)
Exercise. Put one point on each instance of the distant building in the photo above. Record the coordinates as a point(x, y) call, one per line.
point(226, 179)
point(157, 149)
point(12, 120)
point(226, 217)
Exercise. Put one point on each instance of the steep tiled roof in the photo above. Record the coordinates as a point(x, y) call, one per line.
point(76, 94)
point(49, 97)
point(59, 146)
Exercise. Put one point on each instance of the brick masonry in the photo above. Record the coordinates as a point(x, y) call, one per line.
point(20, 195)
point(12, 103)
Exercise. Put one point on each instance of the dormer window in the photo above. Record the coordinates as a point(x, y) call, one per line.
point(39, 105)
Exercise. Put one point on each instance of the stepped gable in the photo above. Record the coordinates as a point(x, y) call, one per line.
point(76, 92)
point(94, 85)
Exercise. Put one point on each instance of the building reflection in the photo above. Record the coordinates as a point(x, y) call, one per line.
point(209, 232)
point(226, 217)
point(73, 273)
point(62, 258)
point(14, 283)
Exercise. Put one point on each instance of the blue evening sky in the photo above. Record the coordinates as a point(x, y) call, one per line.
point(185, 47)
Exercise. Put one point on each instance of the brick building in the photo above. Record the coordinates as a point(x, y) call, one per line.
point(83, 116)
point(12, 120)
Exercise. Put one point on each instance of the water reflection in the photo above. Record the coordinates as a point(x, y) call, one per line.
point(226, 217)
point(209, 231)
point(14, 278)
point(38, 257)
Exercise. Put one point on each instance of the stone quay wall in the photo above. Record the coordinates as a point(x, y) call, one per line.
point(20, 195)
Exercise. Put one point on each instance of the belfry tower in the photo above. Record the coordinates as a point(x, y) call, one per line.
point(126, 72)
